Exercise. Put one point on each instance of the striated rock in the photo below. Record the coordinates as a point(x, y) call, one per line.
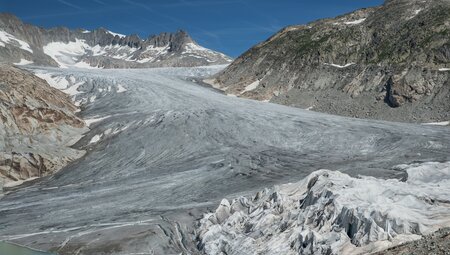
point(37, 127)
point(399, 52)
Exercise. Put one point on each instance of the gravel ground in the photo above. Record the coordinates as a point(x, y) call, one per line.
point(437, 243)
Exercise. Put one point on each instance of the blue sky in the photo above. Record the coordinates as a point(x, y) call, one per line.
point(229, 26)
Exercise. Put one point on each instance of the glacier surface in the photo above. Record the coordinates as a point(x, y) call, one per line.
point(169, 149)
point(332, 213)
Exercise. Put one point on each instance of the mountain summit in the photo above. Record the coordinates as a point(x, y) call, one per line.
point(100, 48)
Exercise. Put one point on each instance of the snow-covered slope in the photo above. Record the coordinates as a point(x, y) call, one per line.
point(79, 53)
point(332, 213)
point(6, 38)
point(99, 48)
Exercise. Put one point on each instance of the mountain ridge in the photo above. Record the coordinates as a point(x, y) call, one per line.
point(61, 46)
point(389, 62)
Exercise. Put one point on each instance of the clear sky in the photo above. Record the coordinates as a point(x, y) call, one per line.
point(229, 26)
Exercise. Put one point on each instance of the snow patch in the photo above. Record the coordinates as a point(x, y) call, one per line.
point(152, 52)
point(23, 62)
point(10, 39)
point(417, 11)
point(120, 35)
point(414, 14)
point(89, 122)
point(355, 22)
point(120, 88)
point(211, 56)
point(85, 65)
point(10, 184)
point(443, 123)
point(251, 87)
point(64, 53)
point(444, 69)
point(339, 66)
point(73, 90)
point(57, 82)
point(192, 48)
point(69, 54)
point(145, 60)
point(95, 139)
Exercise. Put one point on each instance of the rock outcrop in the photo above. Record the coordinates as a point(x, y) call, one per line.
point(390, 62)
point(437, 243)
point(24, 43)
point(37, 127)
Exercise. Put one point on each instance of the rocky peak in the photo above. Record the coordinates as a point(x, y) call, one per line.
point(174, 40)
point(100, 47)
point(180, 39)
point(9, 20)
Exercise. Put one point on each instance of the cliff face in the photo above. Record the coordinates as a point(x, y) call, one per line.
point(37, 127)
point(99, 48)
point(390, 62)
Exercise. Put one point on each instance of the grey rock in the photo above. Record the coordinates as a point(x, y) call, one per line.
point(437, 243)
point(113, 51)
point(388, 62)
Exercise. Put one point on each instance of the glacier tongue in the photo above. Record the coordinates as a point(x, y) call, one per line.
point(332, 213)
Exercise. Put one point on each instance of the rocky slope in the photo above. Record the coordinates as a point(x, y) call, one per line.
point(390, 62)
point(332, 213)
point(37, 127)
point(437, 243)
point(25, 44)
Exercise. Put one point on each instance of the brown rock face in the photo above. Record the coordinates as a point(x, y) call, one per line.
point(37, 126)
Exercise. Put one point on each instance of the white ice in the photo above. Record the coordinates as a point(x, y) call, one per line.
point(94, 139)
point(355, 22)
point(23, 62)
point(443, 123)
point(90, 121)
point(332, 212)
point(64, 53)
point(120, 89)
point(195, 49)
point(10, 39)
point(339, 66)
point(251, 87)
point(73, 90)
point(57, 82)
point(120, 35)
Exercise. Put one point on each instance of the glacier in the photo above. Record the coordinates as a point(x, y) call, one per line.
point(332, 213)
point(169, 149)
